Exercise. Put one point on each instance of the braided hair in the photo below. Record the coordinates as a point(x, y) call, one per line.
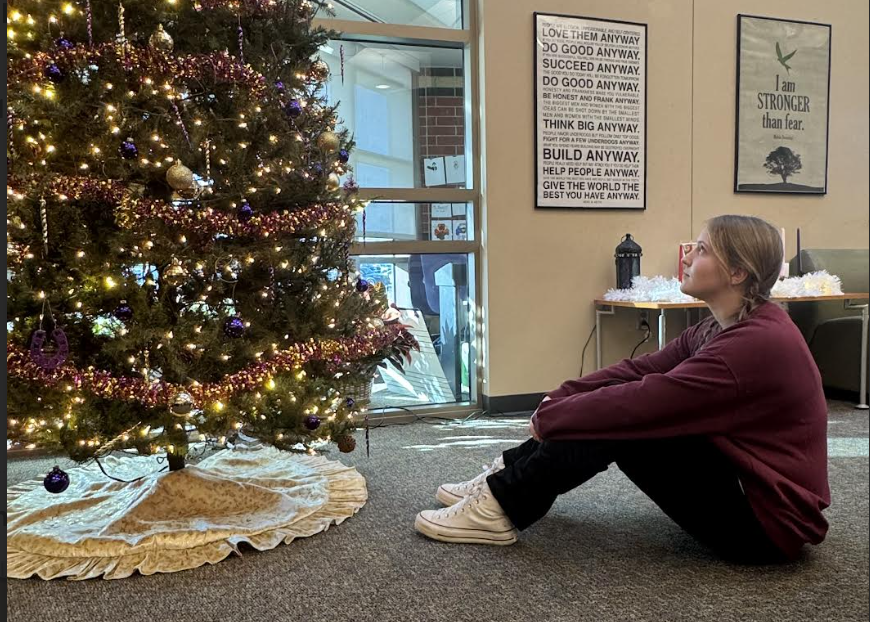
point(751, 244)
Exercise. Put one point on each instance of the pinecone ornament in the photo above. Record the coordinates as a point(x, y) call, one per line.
point(346, 443)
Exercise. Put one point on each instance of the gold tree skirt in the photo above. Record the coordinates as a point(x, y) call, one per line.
point(168, 522)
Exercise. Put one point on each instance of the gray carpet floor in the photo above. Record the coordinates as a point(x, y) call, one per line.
point(604, 552)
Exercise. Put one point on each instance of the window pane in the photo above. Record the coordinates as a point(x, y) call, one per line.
point(431, 13)
point(434, 294)
point(394, 221)
point(405, 106)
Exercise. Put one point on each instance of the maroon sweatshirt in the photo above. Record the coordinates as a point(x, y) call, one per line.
point(753, 388)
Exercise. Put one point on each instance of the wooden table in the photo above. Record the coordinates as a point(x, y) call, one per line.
point(608, 307)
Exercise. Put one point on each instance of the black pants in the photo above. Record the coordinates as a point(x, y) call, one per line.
point(687, 477)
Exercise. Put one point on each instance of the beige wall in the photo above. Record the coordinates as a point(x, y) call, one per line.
point(836, 220)
point(543, 268)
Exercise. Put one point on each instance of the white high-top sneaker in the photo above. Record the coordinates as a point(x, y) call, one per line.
point(448, 494)
point(476, 519)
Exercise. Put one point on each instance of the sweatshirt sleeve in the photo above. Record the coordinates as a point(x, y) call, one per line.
point(629, 370)
point(698, 396)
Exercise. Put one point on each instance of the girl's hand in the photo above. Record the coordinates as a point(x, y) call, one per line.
point(532, 430)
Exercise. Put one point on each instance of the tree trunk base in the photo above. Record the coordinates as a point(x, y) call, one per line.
point(176, 462)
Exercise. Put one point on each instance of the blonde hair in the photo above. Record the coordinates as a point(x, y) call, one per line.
point(755, 246)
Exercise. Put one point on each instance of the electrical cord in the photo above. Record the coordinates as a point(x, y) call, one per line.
point(586, 345)
point(642, 341)
point(126, 481)
point(427, 419)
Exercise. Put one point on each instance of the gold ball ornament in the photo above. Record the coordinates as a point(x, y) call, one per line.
point(175, 273)
point(182, 404)
point(161, 40)
point(328, 141)
point(333, 182)
point(180, 177)
point(321, 68)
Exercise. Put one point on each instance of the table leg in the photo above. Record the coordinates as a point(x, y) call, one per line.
point(662, 329)
point(862, 395)
point(862, 392)
point(599, 313)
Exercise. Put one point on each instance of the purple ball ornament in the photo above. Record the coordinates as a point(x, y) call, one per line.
point(128, 150)
point(349, 402)
point(234, 327)
point(54, 74)
point(312, 422)
point(64, 44)
point(246, 212)
point(293, 109)
point(362, 286)
point(317, 169)
point(343, 156)
point(279, 86)
point(56, 481)
point(123, 312)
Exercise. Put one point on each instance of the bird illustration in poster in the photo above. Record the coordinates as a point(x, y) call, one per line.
point(783, 60)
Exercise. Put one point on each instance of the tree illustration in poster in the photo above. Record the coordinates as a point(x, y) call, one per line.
point(783, 91)
point(784, 162)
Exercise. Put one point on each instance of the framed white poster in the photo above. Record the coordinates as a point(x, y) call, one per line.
point(783, 93)
point(590, 113)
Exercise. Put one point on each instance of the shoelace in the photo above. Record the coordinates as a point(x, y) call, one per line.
point(488, 469)
point(474, 498)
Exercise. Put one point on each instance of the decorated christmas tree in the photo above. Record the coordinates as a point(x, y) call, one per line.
point(178, 233)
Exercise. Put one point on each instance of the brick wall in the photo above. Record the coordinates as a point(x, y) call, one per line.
point(440, 104)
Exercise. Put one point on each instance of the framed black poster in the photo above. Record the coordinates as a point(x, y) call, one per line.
point(783, 97)
point(590, 113)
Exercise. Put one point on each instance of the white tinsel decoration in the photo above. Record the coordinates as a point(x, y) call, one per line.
point(662, 289)
point(812, 284)
point(650, 289)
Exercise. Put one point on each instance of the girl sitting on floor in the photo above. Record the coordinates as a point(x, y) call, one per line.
point(725, 429)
